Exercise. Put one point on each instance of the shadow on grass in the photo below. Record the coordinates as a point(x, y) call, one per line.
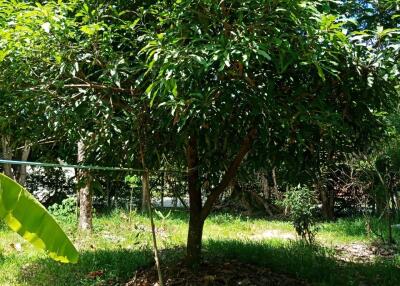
point(99, 267)
point(315, 264)
point(2, 258)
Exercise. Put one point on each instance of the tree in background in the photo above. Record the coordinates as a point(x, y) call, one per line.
point(279, 79)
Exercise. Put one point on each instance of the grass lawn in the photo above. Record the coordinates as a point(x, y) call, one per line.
point(121, 244)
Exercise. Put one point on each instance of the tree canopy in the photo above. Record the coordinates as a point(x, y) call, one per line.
point(206, 84)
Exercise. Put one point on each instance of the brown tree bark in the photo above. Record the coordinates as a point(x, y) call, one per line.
point(85, 193)
point(7, 155)
point(22, 168)
point(19, 172)
point(262, 202)
point(145, 192)
point(162, 189)
point(196, 222)
point(230, 173)
point(328, 201)
point(278, 195)
point(265, 186)
point(199, 213)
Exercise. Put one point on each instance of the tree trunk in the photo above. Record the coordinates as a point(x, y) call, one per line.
point(230, 173)
point(195, 233)
point(85, 193)
point(145, 191)
point(199, 213)
point(162, 189)
point(276, 190)
point(22, 169)
point(85, 204)
point(145, 176)
point(261, 201)
point(327, 199)
point(7, 155)
point(265, 187)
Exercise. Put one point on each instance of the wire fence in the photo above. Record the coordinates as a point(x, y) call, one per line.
point(87, 167)
point(112, 187)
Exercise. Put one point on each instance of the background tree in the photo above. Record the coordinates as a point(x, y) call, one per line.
point(285, 75)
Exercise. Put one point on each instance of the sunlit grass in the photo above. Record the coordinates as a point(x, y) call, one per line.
point(121, 243)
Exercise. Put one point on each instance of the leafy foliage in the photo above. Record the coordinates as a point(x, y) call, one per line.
point(303, 78)
point(26, 216)
point(66, 210)
point(302, 209)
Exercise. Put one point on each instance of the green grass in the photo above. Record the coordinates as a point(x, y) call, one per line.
point(122, 244)
point(353, 230)
point(316, 264)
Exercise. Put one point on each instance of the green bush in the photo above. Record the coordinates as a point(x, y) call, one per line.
point(300, 202)
point(66, 210)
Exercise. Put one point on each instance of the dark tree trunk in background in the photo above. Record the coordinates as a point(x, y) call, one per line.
point(7, 155)
point(17, 173)
point(22, 168)
point(85, 193)
point(162, 189)
point(265, 186)
point(328, 201)
point(380, 200)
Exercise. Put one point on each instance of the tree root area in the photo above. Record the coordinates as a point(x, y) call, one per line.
point(214, 274)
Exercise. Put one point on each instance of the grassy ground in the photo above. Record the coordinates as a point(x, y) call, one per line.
point(121, 244)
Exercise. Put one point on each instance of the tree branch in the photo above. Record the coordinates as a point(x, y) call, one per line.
point(229, 174)
point(97, 86)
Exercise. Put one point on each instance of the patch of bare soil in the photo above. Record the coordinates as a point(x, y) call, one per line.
point(215, 274)
point(364, 253)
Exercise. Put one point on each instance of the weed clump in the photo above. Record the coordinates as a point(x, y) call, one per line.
point(300, 201)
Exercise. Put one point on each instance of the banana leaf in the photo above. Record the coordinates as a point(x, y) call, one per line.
point(26, 216)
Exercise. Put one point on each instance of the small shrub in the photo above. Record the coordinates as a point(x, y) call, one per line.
point(301, 204)
point(64, 211)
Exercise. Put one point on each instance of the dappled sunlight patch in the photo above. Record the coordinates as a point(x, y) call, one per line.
point(365, 253)
point(274, 234)
point(117, 249)
point(306, 261)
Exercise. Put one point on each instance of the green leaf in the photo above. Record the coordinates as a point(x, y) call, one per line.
point(26, 216)
point(174, 87)
point(320, 71)
point(91, 29)
point(3, 55)
point(264, 54)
